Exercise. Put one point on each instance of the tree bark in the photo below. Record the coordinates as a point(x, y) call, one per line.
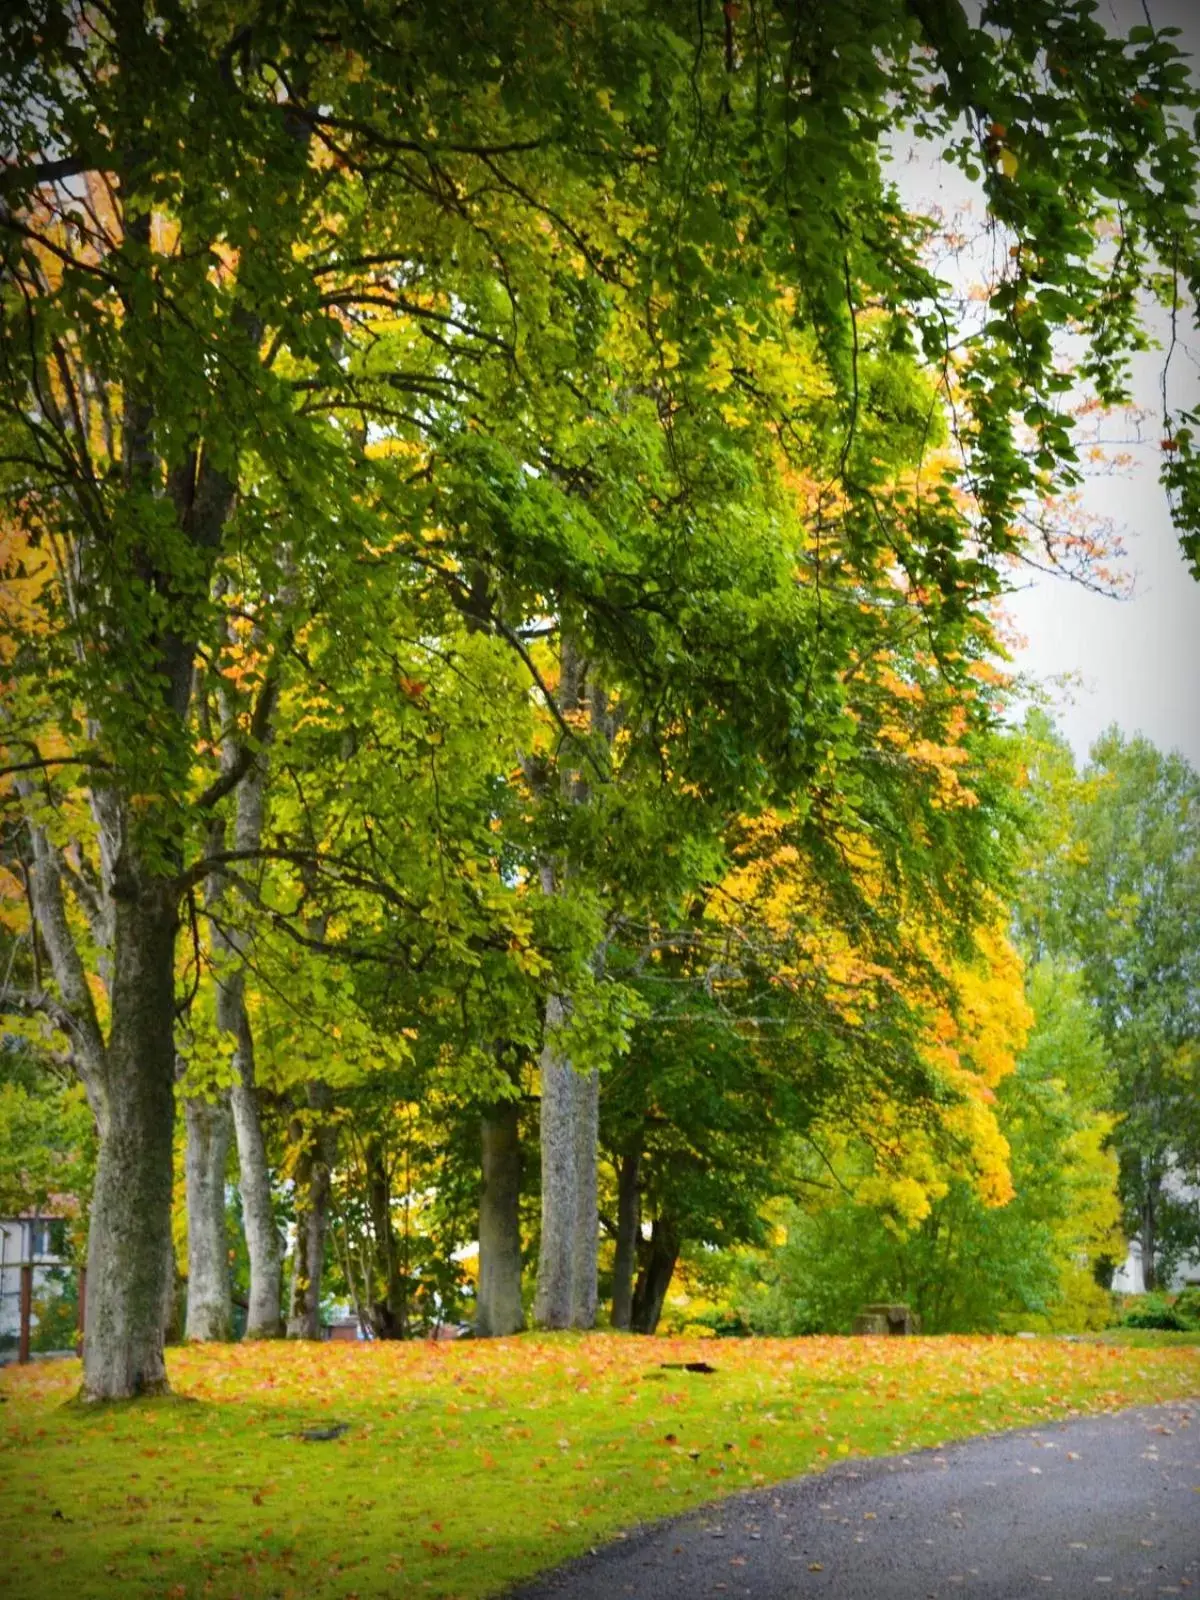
point(263, 1243)
point(566, 1281)
point(585, 1244)
point(313, 1170)
point(570, 1109)
point(498, 1308)
point(175, 1304)
point(552, 1302)
point(209, 1293)
point(264, 1246)
point(655, 1277)
point(629, 1223)
point(387, 1289)
point(129, 1242)
point(1148, 1234)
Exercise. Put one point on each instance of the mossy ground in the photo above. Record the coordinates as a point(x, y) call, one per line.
point(467, 1466)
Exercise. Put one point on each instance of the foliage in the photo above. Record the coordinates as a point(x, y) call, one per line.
point(1155, 1311)
point(469, 1466)
point(56, 1308)
point(47, 1132)
point(1121, 902)
point(398, 1216)
point(47, 1149)
point(542, 441)
point(962, 1263)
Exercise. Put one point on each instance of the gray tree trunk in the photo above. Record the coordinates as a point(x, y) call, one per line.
point(313, 1173)
point(629, 1222)
point(129, 1240)
point(586, 1241)
point(498, 1308)
point(570, 1110)
point(264, 1245)
point(209, 1294)
point(566, 1281)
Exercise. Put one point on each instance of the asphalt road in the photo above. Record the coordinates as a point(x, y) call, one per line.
point(1106, 1505)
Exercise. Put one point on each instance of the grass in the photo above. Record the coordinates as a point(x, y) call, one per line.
point(465, 1467)
point(1148, 1338)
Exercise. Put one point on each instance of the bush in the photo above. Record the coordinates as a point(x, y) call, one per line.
point(1153, 1311)
point(1187, 1307)
point(56, 1309)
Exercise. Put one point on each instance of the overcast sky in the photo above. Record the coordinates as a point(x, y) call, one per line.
point(1135, 662)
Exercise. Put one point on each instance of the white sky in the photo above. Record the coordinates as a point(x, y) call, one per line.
point(1135, 662)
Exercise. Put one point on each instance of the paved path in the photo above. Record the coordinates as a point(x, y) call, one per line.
point(1105, 1505)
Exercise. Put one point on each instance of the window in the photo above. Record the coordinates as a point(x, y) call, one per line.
point(47, 1237)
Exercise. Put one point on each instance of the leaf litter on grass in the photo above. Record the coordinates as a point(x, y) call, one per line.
point(368, 1470)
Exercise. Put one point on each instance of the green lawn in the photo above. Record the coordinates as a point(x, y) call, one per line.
point(1147, 1338)
point(467, 1466)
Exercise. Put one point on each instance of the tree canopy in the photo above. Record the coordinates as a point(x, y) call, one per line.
point(470, 475)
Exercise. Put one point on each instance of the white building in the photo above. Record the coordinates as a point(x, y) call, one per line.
point(1130, 1279)
point(34, 1239)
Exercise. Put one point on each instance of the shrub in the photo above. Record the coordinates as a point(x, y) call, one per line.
point(1153, 1311)
point(1187, 1307)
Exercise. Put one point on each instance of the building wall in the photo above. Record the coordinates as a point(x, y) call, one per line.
point(1130, 1280)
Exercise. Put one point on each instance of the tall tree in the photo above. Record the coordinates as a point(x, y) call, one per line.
point(965, 1265)
point(243, 248)
point(1122, 902)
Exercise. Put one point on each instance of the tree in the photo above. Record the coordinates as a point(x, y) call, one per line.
point(207, 219)
point(839, 987)
point(964, 1263)
point(162, 330)
point(1123, 905)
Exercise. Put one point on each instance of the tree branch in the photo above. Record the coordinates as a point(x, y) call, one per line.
point(247, 754)
point(14, 177)
point(43, 763)
point(46, 893)
point(37, 1002)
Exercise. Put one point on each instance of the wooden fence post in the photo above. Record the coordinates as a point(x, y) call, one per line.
point(26, 1311)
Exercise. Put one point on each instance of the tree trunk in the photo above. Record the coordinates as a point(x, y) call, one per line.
point(313, 1171)
point(129, 1241)
point(1149, 1235)
point(629, 1224)
point(552, 1302)
point(387, 1288)
point(209, 1294)
point(263, 1243)
point(586, 1240)
point(570, 1112)
point(498, 1308)
point(175, 1305)
point(566, 1281)
point(264, 1246)
point(655, 1277)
